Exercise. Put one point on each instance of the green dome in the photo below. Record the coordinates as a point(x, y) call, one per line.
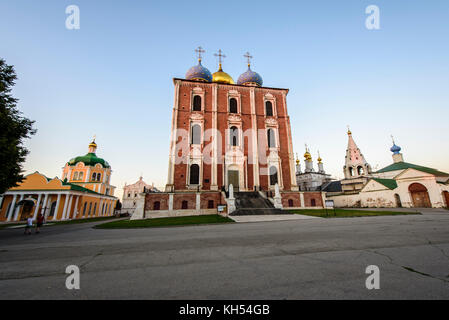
point(89, 159)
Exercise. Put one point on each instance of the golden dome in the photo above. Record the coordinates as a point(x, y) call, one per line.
point(308, 156)
point(222, 77)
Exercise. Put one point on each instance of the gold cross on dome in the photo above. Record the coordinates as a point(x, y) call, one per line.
point(199, 51)
point(219, 55)
point(248, 57)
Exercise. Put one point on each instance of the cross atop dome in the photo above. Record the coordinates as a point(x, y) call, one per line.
point(220, 55)
point(199, 51)
point(248, 57)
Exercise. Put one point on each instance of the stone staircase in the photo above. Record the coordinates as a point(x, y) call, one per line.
point(252, 203)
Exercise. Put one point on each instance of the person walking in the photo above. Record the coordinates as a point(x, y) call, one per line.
point(39, 222)
point(29, 225)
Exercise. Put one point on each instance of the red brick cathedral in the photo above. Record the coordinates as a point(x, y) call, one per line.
point(226, 133)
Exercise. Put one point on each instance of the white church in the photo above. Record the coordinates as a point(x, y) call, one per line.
point(401, 184)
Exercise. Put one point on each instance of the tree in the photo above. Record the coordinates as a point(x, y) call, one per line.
point(14, 129)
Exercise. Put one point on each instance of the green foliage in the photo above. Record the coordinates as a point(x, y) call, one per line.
point(348, 213)
point(165, 222)
point(14, 129)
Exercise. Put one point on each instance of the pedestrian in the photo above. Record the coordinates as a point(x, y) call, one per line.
point(29, 225)
point(39, 222)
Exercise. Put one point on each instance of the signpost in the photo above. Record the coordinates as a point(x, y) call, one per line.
point(329, 204)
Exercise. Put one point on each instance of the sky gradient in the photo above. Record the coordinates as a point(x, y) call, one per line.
point(113, 77)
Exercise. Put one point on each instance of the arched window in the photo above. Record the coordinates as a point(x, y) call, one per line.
point(99, 177)
point(129, 194)
point(273, 175)
point(184, 204)
point(80, 177)
point(95, 209)
point(196, 103)
point(234, 136)
point(268, 109)
point(156, 205)
point(351, 171)
point(233, 105)
point(196, 134)
point(271, 138)
point(360, 171)
point(210, 204)
point(102, 210)
point(75, 176)
point(94, 177)
point(290, 202)
point(313, 203)
point(90, 209)
point(84, 210)
point(194, 174)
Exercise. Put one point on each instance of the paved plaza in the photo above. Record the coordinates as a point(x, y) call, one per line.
point(294, 259)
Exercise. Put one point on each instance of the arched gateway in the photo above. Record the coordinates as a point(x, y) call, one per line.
point(419, 195)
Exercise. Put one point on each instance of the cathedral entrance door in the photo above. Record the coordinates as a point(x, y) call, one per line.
point(233, 178)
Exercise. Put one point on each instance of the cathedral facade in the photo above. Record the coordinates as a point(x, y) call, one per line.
point(224, 134)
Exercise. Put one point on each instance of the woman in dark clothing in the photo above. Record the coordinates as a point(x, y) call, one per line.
point(39, 222)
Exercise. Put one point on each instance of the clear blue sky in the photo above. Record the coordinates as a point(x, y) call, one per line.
point(113, 77)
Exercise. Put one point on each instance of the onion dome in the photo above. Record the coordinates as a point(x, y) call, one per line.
point(395, 149)
point(222, 77)
point(319, 158)
point(199, 73)
point(90, 159)
point(250, 78)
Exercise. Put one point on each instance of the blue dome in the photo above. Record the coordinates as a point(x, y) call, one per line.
point(250, 77)
point(395, 149)
point(199, 72)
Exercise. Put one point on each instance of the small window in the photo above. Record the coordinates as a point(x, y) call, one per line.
point(196, 103)
point(234, 136)
point(360, 171)
point(313, 203)
point(184, 204)
point(268, 109)
point(94, 177)
point(271, 138)
point(129, 195)
point(273, 175)
point(99, 177)
point(196, 134)
point(210, 204)
point(95, 209)
point(290, 202)
point(84, 210)
point(75, 176)
point(233, 105)
point(156, 205)
point(194, 174)
point(80, 177)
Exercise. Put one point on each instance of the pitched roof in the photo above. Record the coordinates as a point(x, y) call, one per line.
point(405, 165)
point(389, 183)
point(333, 186)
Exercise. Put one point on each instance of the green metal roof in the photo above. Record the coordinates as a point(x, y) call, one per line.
point(78, 188)
point(389, 183)
point(406, 165)
point(89, 159)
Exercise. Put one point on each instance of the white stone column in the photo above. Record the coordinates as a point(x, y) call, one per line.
point(277, 197)
point(55, 216)
point(87, 177)
point(255, 155)
point(16, 213)
point(301, 197)
point(37, 206)
point(44, 204)
point(75, 208)
point(198, 202)
point(66, 202)
point(170, 202)
point(10, 213)
point(69, 208)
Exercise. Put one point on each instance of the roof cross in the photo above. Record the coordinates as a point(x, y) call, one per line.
point(199, 51)
point(248, 57)
point(219, 55)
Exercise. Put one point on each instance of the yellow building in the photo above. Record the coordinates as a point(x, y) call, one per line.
point(85, 192)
